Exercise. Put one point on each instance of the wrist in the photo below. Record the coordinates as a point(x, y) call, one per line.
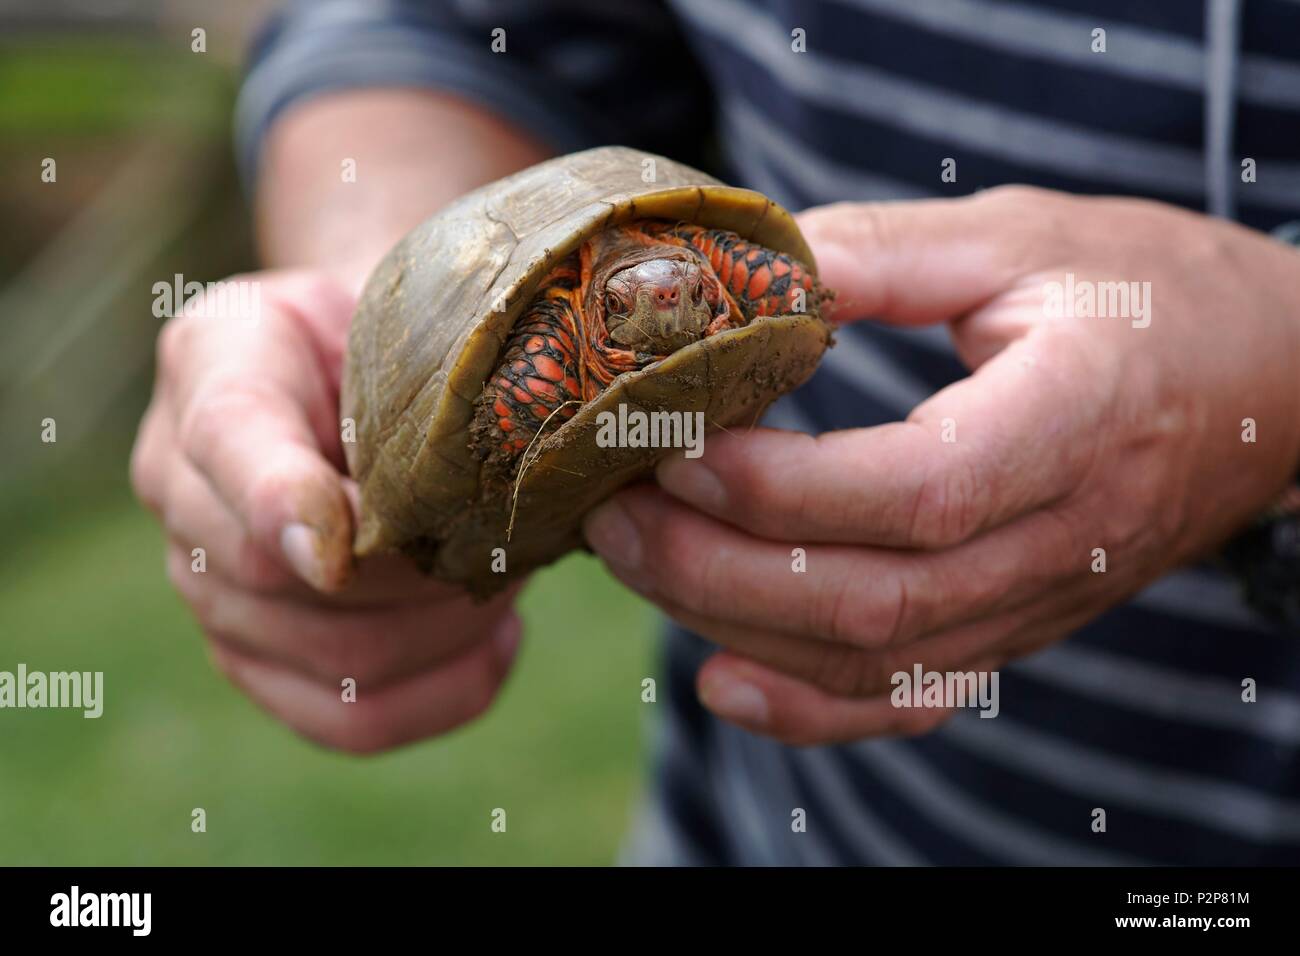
point(344, 176)
point(1266, 555)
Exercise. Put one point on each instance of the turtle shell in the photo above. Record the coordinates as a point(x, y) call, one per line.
point(432, 323)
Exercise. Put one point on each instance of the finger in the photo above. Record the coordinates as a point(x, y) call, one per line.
point(196, 518)
point(208, 532)
point(1018, 435)
point(866, 597)
point(846, 671)
point(932, 260)
point(427, 704)
point(256, 416)
point(768, 702)
point(375, 645)
point(149, 458)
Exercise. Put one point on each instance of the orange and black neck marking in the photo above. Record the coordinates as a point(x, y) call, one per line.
point(540, 370)
point(762, 280)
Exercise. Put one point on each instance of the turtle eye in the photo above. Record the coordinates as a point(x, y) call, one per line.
point(613, 304)
point(697, 292)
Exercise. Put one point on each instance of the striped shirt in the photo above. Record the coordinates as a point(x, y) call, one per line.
point(1139, 713)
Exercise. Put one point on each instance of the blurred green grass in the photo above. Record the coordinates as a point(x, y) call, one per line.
point(82, 585)
point(104, 84)
point(560, 752)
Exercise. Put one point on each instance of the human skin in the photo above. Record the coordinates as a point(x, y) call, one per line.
point(1072, 434)
point(240, 453)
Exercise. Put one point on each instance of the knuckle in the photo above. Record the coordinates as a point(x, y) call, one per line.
point(845, 611)
point(1143, 518)
point(851, 615)
point(206, 419)
point(172, 341)
point(144, 475)
point(947, 506)
point(874, 222)
point(897, 625)
point(708, 590)
point(1060, 531)
point(1013, 194)
point(1213, 245)
point(838, 611)
point(304, 287)
point(1030, 219)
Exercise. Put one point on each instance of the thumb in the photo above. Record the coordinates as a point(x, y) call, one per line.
point(926, 261)
point(256, 414)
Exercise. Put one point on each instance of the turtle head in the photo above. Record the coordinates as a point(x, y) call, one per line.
point(657, 305)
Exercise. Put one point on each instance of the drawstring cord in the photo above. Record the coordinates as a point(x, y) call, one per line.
point(1222, 27)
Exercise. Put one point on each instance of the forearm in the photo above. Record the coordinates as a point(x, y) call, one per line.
point(414, 151)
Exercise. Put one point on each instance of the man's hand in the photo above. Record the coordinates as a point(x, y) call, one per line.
point(968, 534)
point(240, 454)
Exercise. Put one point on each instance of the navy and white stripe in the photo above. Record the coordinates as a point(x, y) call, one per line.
point(1140, 712)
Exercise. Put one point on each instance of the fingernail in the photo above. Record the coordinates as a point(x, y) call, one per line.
point(735, 700)
point(692, 482)
point(613, 535)
point(301, 548)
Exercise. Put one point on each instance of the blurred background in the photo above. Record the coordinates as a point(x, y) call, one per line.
point(139, 127)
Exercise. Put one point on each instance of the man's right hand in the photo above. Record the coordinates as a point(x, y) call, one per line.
point(239, 454)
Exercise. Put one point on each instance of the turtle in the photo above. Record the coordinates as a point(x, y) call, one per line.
point(495, 344)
